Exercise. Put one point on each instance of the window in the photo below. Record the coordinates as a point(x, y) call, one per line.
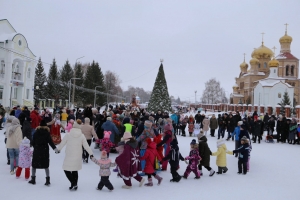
point(20, 42)
point(28, 73)
point(242, 85)
point(1, 91)
point(287, 70)
point(27, 93)
point(258, 65)
point(265, 65)
point(279, 95)
point(2, 69)
point(15, 94)
point(292, 70)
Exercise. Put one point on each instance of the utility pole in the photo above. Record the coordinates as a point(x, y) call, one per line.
point(73, 93)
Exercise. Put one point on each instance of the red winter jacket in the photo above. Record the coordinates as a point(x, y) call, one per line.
point(150, 156)
point(35, 119)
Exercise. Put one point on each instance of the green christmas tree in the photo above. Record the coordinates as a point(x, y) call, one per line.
point(160, 99)
point(285, 101)
point(53, 89)
point(39, 81)
point(79, 94)
point(66, 73)
point(94, 77)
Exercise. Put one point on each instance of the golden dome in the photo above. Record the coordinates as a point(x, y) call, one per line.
point(244, 65)
point(273, 63)
point(262, 52)
point(286, 38)
point(254, 61)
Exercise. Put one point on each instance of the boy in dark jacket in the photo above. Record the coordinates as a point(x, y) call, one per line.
point(243, 155)
point(174, 156)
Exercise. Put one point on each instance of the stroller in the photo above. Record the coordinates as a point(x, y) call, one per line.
point(269, 139)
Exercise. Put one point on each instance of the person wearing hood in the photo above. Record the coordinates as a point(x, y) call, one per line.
point(14, 139)
point(150, 156)
point(221, 157)
point(204, 152)
point(128, 162)
point(73, 158)
point(193, 160)
point(24, 115)
point(243, 152)
point(173, 157)
point(24, 158)
point(89, 132)
point(40, 157)
point(166, 143)
point(236, 135)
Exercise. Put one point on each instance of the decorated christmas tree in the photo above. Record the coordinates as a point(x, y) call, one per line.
point(160, 99)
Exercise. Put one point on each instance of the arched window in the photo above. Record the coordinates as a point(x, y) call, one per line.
point(28, 73)
point(2, 69)
point(258, 65)
point(265, 65)
point(287, 70)
point(16, 70)
point(292, 70)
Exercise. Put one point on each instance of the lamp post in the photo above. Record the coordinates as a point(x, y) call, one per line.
point(73, 96)
point(10, 103)
point(95, 95)
point(36, 88)
point(195, 97)
point(69, 83)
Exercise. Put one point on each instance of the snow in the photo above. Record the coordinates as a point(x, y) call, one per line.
point(273, 175)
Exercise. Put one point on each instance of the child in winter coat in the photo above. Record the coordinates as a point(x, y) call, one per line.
point(196, 129)
point(174, 156)
point(69, 126)
point(104, 171)
point(106, 144)
point(221, 156)
point(150, 157)
point(165, 143)
point(194, 161)
point(243, 151)
point(204, 152)
point(191, 127)
point(250, 149)
point(24, 158)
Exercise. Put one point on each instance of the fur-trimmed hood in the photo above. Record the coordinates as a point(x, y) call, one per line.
point(43, 127)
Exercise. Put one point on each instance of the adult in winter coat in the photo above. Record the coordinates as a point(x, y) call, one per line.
point(73, 159)
point(293, 131)
point(271, 126)
point(230, 126)
point(24, 115)
point(205, 123)
point(88, 131)
point(198, 117)
point(258, 127)
point(213, 125)
point(14, 139)
point(26, 129)
point(204, 152)
point(110, 126)
point(40, 157)
point(127, 127)
point(35, 120)
point(279, 128)
point(89, 113)
point(150, 157)
point(128, 162)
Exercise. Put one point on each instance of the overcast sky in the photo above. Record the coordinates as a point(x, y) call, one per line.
point(198, 40)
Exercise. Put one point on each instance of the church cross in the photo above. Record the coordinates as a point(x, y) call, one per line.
point(286, 25)
point(274, 48)
point(262, 37)
point(161, 60)
point(244, 56)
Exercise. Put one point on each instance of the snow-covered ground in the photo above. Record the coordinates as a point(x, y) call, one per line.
point(274, 174)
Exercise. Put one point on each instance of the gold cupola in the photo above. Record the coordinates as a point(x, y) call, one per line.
point(285, 42)
point(244, 66)
point(273, 62)
point(262, 52)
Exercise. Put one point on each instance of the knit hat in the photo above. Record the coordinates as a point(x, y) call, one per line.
point(220, 142)
point(201, 134)
point(107, 134)
point(245, 139)
point(26, 142)
point(168, 127)
point(103, 154)
point(193, 141)
point(240, 123)
point(108, 118)
point(43, 123)
point(126, 136)
point(148, 123)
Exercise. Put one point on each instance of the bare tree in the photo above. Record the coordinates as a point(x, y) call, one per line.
point(112, 84)
point(213, 92)
point(144, 95)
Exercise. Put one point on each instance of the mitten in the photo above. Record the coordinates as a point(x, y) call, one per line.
point(187, 162)
point(91, 156)
point(56, 151)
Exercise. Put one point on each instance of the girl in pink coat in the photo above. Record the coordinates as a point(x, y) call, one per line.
point(193, 161)
point(106, 144)
point(69, 125)
point(24, 158)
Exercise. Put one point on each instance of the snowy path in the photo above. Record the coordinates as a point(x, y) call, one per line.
point(274, 174)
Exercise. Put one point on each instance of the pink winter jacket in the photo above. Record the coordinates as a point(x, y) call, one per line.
point(25, 156)
point(69, 127)
point(104, 164)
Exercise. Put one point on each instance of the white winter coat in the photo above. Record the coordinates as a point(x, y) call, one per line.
point(74, 141)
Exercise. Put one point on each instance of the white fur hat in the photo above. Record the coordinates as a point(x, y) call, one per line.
point(220, 142)
point(240, 123)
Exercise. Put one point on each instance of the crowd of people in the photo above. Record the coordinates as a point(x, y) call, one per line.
point(146, 142)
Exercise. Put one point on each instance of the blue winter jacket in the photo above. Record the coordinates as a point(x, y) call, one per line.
point(236, 133)
point(174, 118)
point(110, 126)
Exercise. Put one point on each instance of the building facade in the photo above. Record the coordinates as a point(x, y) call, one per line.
point(287, 71)
point(17, 67)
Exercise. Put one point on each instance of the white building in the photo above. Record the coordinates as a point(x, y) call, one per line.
point(17, 67)
point(270, 91)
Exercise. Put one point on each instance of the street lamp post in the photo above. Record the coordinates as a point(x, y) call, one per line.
point(11, 86)
point(95, 95)
point(69, 83)
point(195, 97)
point(73, 96)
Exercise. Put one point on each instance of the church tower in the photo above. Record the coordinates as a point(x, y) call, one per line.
point(285, 42)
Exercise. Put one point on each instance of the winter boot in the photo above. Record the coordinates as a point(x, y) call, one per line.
point(27, 173)
point(47, 181)
point(178, 178)
point(8, 162)
point(212, 172)
point(18, 172)
point(126, 187)
point(159, 179)
point(32, 181)
point(150, 183)
point(200, 172)
point(225, 170)
point(116, 169)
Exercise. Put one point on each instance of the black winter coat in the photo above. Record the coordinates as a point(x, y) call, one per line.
point(26, 130)
point(258, 126)
point(204, 151)
point(279, 126)
point(41, 141)
point(243, 152)
point(174, 156)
